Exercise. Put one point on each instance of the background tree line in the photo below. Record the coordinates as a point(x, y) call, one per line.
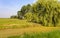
point(44, 12)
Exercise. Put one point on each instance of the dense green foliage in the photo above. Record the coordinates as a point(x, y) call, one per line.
point(54, 34)
point(43, 12)
point(23, 11)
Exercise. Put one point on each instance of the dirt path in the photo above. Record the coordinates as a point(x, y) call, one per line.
point(10, 32)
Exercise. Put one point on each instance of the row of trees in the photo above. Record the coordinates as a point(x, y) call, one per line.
point(14, 17)
point(44, 12)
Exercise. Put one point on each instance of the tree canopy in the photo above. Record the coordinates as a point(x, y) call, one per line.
point(44, 12)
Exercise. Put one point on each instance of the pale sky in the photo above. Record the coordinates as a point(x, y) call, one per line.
point(10, 7)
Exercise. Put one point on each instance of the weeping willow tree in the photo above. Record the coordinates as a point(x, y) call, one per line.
point(45, 12)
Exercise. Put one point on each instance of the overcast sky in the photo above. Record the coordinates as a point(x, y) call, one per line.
point(10, 7)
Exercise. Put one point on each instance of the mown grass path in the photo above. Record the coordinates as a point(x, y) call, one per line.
point(11, 32)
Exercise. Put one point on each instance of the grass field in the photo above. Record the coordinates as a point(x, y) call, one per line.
point(53, 34)
point(15, 23)
point(12, 28)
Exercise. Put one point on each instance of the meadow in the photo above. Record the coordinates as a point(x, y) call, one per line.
point(6, 23)
point(16, 28)
point(38, 20)
point(53, 34)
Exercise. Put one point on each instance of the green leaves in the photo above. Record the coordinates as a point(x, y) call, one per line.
point(45, 12)
point(28, 16)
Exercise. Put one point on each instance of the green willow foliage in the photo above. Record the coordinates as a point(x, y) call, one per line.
point(43, 12)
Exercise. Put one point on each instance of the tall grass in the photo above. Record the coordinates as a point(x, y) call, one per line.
point(53, 34)
point(6, 23)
